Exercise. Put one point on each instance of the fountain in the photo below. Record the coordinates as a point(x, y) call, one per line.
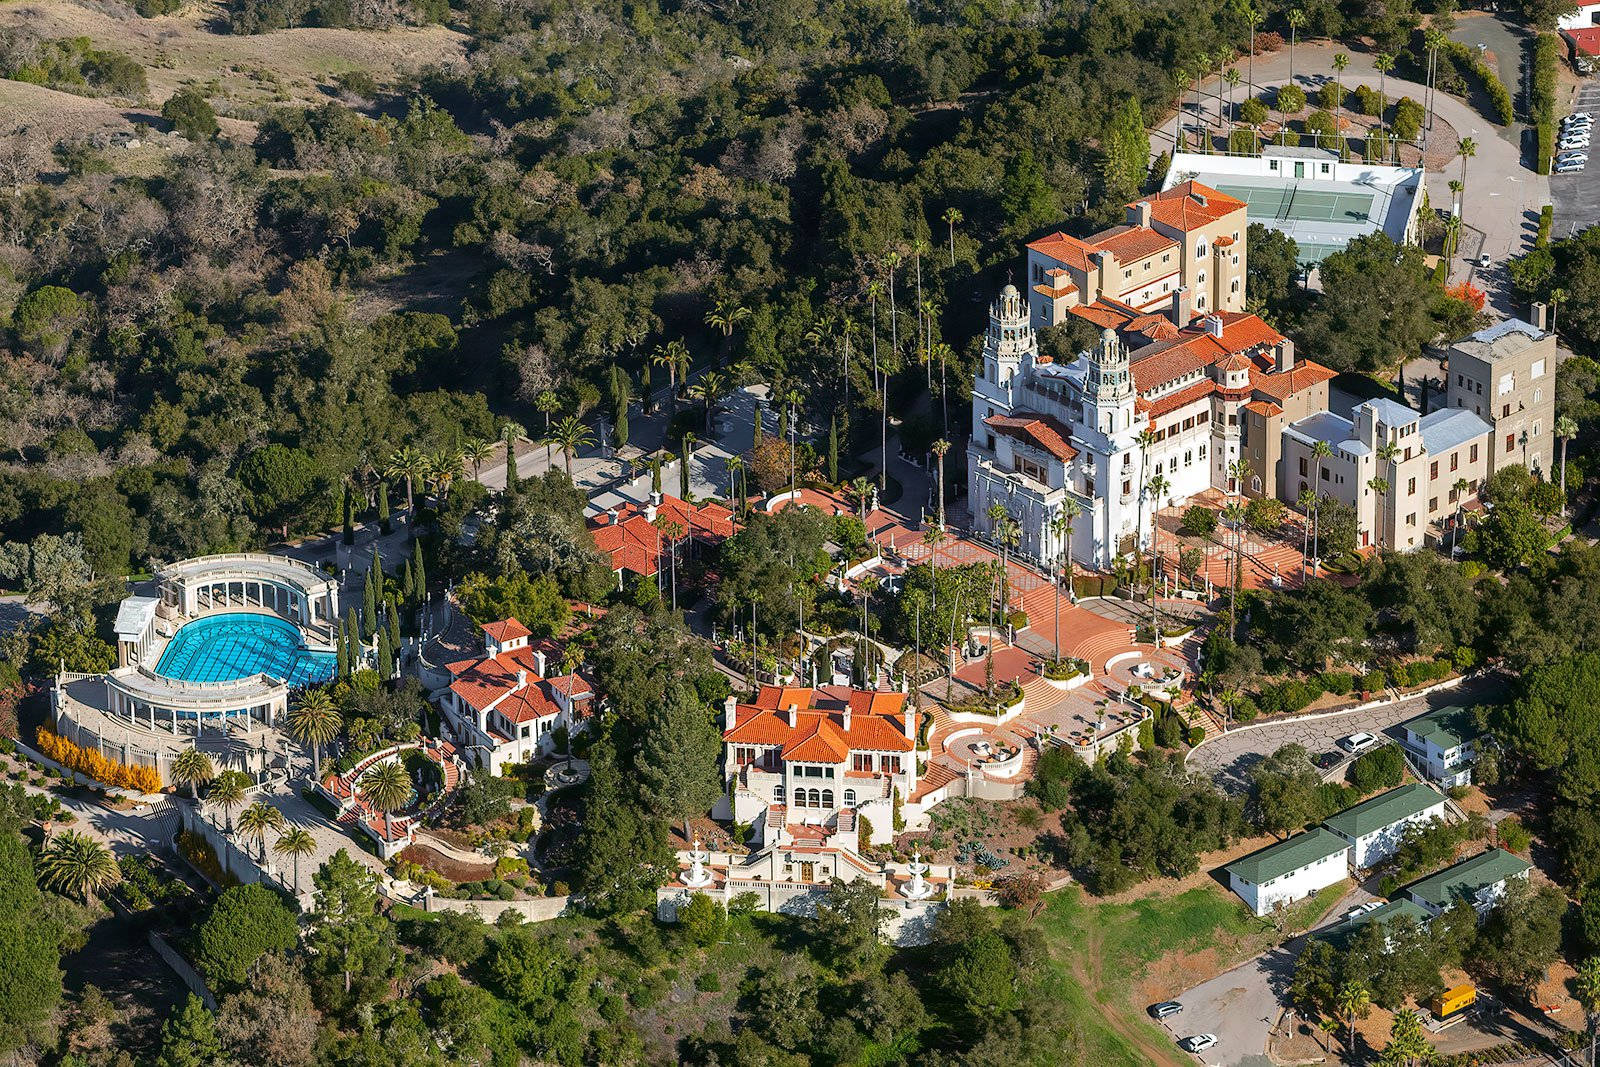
point(698, 877)
point(918, 889)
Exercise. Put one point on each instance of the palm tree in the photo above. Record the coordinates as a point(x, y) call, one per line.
point(405, 462)
point(315, 721)
point(1157, 487)
point(443, 466)
point(1146, 441)
point(1352, 1002)
point(667, 356)
point(228, 792)
point(952, 216)
point(874, 291)
point(1061, 526)
point(256, 820)
point(1319, 452)
point(1433, 39)
point(735, 466)
point(710, 390)
point(1566, 430)
point(941, 446)
point(1340, 61)
point(571, 434)
point(1231, 77)
point(933, 537)
point(1588, 990)
point(548, 404)
point(76, 864)
point(1384, 62)
point(1006, 533)
point(1557, 297)
point(386, 787)
point(193, 768)
point(1380, 486)
point(891, 263)
point(295, 842)
point(1233, 514)
point(1466, 148)
point(1253, 15)
point(724, 316)
point(1386, 455)
point(1297, 18)
point(673, 532)
point(1461, 487)
point(1306, 502)
point(861, 489)
point(475, 452)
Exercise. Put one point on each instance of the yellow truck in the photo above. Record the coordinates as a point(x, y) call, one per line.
point(1453, 1001)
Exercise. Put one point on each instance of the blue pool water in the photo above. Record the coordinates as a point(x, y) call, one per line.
point(223, 648)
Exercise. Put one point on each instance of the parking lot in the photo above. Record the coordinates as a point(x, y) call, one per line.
point(1577, 196)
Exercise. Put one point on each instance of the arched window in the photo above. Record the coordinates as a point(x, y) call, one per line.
point(849, 798)
point(1255, 484)
point(777, 794)
point(827, 798)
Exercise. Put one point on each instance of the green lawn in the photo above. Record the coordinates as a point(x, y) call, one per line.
point(1100, 950)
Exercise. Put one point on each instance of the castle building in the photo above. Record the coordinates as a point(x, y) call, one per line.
point(1506, 375)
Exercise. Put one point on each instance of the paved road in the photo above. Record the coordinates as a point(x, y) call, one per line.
point(1503, 197)
point(1229, 757)
point(1242, 1005)
point(1576, 197)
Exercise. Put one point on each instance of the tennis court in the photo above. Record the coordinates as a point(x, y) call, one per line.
point(1293, 203)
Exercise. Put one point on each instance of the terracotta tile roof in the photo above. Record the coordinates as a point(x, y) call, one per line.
point(1064, 249)
point(812, 498)
point(483, 681)
point(1264, 407)
point(1055, 291)
point(1235, 361)
point(1132, 243)
point(818, 735)
point(1182, 398)
point(1154, 325)
point(1105, 316)
point(1241, 331)
point(1155, 365)
point(1041, 431)
point(1190, 205)
point(505, 630)
point(1282, 385)
point(635, 544)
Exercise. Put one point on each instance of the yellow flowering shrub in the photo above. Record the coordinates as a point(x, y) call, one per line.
point(91, 762)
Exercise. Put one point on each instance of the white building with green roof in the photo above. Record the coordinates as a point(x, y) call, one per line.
point(1480, 880)
point(1289, 870)
point(1444, 744)
point(1374, 827)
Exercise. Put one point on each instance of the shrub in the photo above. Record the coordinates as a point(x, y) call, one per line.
point(1320, 125)
point(1330, 96)
point(1514, 837)
point(708, 983)
point(191, 115)
point(1372, 681)
point(1243, 142)
point(1195, 735)
point(1291, 99)
point(1338, 683)
point(1542, 99)
point(1547, 217)
point(1253, 112)
point(1264, 514)
point(1408, 119)
point(1382, 768)
point(90, 762)
point(1199, 521)
point(1368, 101)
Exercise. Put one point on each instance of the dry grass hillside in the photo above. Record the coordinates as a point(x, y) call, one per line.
point(239, 73)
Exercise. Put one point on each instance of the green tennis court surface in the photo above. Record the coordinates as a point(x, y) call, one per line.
point(1290, 203)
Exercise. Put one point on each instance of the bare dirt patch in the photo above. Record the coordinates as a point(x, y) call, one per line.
point(453, 869)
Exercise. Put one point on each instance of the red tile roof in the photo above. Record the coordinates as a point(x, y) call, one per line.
point(1041, 431)
point(1132, 243)
point(505, 630)
point(1264, 407)
point(636, 544)
point(1587, 38)
point(491, 681)
point(1064, 249)
point(1190, 205)
point(819, 734)
point(1164, 405)
point(1282, 385)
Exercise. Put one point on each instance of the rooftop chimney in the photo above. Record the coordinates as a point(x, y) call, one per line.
point(538, 663)
point(1540, 314)
point(1139, 214)
point(1214, 325)
point(793, 715)
point(911, 723)
point(1285, 355)
point(522, 677)
point(1180, 306)
point(1199, 197)
point(847, 718)
point(730, 713)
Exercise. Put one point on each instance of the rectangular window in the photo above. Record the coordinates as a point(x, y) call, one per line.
point(1455, 460)
point(1506, 383)
point(1127, 487)
point(1433, 504)
point(1325, 474)
point(1511, 440)
point(1537, 370)
point(1303, 466)
point(1433, 469)
point(1505, 410)
point(1474, 458)
point(1411, 519)
point(1411, 487)
point(1188, 458)
point(862, 761)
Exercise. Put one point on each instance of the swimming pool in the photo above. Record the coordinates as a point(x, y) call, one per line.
point(223, 648)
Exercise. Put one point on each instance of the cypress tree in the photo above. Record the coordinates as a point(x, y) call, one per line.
point(369, 609)
point(833, 451)
point(418, 574)
point(351, 634)
point(408, 585)
point(513, 479)
point(655, 474)
point(394, 624)
point(622, 427)
point(385, 656)
point(683, 473)
point(385, 523)
point(349, 517)
point(342, 647)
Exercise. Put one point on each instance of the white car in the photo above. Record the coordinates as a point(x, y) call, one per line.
point(1357, 742)
point(1576, 127)
point(1198, 1042)
point(1573, 157)
point(1361, 909)
point(1571, 167)
point(1576, 122)
point(1571, 143)
point(1484, 262)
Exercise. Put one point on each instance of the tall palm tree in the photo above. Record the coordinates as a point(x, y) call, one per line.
point(1297, 18)
point(1461, 486)
point(736, 479)
point(1232, 79)
point(385, 787)
point(951, 217)
point(1380, 486)
point(571, 434)
point(1387, 453)
point(1307, 503)
point(256, 820)
point(944, 353)
point(193, 768)
point(941, 446)
point(443, 465)
point(710, 390)
point(1433, 39)
point(295, 842)
point(1233, 514)
point(874, 291)
point(408, 463)
point(1466, 148)
point(673, 533)
point(76, 864)
point(891, 263)
point(475, 452)
point(315, 721)
point(1061, 526)
point(548, 403)
point(1384, 63)
point(724, 316)
point(1319, 452)
point(933, 537)
point(1252, 15)
point(1588, 990)
point(1146, 441)
point(1157, 487)
point(1352, 1002)
point(1566, 430)
point(1340, 62)
point(861, 490)
point(228, 792)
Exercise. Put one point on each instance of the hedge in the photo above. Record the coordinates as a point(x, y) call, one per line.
point(89, 761)
point(1421, 672)
point(1542, 98)
point(1290, 696)
point(1499, 96)
point(1546, 221)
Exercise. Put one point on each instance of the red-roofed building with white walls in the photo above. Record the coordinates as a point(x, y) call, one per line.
point(1183, 390)
point(631, 534)
point(807, 763)
point(503, 706)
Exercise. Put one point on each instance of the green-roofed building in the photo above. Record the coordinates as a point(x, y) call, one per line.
point(1374, 827)
point(1339, 933)
point(1443, 742)
point(1289, 870)
point(1481, 880)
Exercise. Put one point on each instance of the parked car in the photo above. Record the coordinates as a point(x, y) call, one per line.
point(1363, 741)
point(1572, 122)
point(1569, 167)
point(1573, 157)
point(1165, 1009)
point(1198, 1042)
point(1484, 262)
point(1569, 143)
point(1361, 909)
point(1579, 116)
